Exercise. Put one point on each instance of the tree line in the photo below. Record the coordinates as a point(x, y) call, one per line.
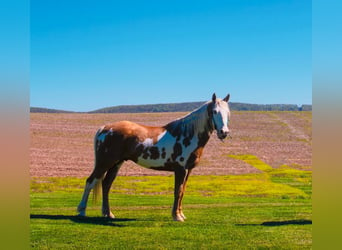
point(182, 107)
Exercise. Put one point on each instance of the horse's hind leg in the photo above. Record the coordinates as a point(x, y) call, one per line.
point(90, 183)
point(92, 180)
point(106, 184)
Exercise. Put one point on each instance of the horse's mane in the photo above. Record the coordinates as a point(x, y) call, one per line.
point(192, 123)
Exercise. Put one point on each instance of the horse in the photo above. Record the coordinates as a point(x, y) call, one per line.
point(175, 147)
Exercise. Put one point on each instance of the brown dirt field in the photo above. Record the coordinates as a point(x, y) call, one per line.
point(62, 144)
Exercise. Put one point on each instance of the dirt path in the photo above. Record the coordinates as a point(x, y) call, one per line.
point(293, 124)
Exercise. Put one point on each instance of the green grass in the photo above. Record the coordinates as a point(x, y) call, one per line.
point(257, 211)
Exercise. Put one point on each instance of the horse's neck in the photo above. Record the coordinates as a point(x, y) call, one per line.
point(195, 123)
point(199, 119)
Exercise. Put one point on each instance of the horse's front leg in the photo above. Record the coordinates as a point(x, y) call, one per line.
point(182, 193)
point(181, 176)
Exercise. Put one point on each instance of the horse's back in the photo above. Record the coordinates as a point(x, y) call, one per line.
point(128, 129)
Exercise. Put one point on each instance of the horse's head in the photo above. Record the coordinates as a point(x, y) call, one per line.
point(220, 116)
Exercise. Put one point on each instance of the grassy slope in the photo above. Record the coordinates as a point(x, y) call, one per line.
point(267, 210)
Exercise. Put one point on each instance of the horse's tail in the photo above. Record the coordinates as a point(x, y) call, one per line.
point(97, 190)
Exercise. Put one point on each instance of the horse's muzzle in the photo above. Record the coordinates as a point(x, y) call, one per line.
point(223, 134)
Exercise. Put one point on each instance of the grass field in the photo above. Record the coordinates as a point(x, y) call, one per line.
point(268, 209)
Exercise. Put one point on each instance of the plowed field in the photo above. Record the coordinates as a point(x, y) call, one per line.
point(62, 144)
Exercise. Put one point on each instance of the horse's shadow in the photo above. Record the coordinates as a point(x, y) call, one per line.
point(280, 223)
point(81, 219)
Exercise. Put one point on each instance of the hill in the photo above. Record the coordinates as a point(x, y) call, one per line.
point(47, 110)
point(182, 107)
point(189, 106)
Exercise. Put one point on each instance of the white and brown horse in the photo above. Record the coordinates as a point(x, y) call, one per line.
point(175, 147)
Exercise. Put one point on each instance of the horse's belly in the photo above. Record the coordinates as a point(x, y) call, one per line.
point(152, 163)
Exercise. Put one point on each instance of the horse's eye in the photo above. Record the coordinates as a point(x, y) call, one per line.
point(215, 112)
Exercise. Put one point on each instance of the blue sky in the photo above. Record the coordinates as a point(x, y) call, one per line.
point(87, 55)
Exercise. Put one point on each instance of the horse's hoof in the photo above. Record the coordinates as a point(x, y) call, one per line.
point(81, 211)
point(178, 218)
point(183, 216)
point(109, 215)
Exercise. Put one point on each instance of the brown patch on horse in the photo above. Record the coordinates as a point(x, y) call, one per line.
point(145, 154)
point(163, 155)
point(177, 151)
point(154, 153)
point(194, 158)
point(187, 141)
point(130, 129)
point(203, 139)
point(138, 152)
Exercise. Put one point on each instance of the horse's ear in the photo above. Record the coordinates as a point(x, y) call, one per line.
point(226, 99)
point(214, 97)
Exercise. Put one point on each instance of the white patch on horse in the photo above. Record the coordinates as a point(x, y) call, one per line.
point(101, 129)
point(148, 142)
point(161, 135)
